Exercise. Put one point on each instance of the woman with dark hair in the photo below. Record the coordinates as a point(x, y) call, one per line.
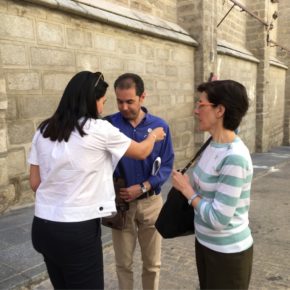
point(221, 188)
point(72, 160)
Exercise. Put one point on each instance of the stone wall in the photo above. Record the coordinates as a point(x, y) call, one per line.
point(245, 72)
point(44, 42)
point(43, 49)
point(257, 44)
point(239, 32)
point(233, 27)
point(198, 17)
point(273, 29)
point(7, 190)
point(276, 104)
point(165, 9)
point(284, 39)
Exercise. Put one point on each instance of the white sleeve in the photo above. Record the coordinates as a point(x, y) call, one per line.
point(33, 156)
point(117, 144)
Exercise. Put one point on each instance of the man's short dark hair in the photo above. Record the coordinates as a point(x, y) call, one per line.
point(128, 81)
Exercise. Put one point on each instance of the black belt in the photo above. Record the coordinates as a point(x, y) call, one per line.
point(146, 194)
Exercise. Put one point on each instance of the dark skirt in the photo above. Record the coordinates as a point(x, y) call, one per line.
point(223, 271)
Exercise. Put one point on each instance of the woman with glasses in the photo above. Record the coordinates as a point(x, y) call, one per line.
point(220, 193)
point(72, 160)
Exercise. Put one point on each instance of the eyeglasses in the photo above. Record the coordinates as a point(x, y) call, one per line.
point(98, 80)
point(200, 104)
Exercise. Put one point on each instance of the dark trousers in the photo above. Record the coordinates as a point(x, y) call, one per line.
point(223, 271)
point(72, 252)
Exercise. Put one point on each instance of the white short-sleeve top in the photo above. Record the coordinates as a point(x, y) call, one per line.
point(77, 176)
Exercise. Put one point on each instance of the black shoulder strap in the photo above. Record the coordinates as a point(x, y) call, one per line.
point(196, 155)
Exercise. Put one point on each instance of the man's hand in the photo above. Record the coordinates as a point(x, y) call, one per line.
point(130, 193)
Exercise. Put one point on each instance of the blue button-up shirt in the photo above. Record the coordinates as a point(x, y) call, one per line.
point(138, 171)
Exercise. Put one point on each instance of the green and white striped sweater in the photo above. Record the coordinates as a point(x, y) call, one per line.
point(223, 178)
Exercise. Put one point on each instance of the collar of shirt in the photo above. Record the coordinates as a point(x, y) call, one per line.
point(146, 119)
point(140, 132)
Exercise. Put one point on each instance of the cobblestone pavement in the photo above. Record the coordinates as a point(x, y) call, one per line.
point(269, 219)
point(178, 266)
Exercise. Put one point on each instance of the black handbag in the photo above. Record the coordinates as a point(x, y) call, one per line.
point(176, 217)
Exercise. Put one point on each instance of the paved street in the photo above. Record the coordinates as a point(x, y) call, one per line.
point(270, 222)
point(269, 219)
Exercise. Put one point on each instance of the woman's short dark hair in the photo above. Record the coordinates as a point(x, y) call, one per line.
point(232, 95)
point(78, 101)
point(128, 81)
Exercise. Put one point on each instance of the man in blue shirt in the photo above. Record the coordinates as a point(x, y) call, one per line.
point(144, 179)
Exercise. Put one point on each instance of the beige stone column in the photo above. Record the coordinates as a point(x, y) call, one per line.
point(7, 192)
point(257, 44)
point(284, 55)
point(198, 17)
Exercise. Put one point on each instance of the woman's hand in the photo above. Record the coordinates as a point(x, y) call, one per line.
point(159, 133)
point(182, 183)
point(141, 151)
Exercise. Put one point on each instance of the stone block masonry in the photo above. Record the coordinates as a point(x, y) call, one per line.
point(46, 46)
point(283, 38)
point(43, 43)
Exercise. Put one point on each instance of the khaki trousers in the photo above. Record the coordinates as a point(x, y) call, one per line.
point(141, 218)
